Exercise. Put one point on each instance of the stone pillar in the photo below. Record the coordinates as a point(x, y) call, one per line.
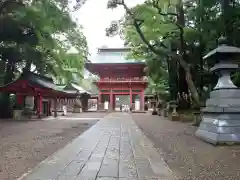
point(221, 117)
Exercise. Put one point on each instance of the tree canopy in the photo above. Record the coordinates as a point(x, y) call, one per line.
point(38, 36)
point(40, 33)
point(173, 35)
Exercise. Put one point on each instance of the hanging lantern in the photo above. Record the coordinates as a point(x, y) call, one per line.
point(146, 69)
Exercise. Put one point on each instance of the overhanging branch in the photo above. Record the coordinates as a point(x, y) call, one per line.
point(155, 5)
point(137, 23)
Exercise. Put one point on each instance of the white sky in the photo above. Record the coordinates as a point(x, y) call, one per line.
point(95, 18)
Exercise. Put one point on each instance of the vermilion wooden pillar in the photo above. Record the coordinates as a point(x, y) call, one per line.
point(111, 101)
point(99, 100)
point(55, 107)
point(39, 104)
point(114, 102)
point(20, 99)
point(131, 98)
point(49, 107)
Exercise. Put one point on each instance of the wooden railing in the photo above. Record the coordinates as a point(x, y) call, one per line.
point(136, 79)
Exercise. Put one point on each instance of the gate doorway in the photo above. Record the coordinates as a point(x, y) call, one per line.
point(121, 101)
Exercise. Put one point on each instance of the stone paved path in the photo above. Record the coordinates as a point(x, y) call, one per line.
point(113, 149)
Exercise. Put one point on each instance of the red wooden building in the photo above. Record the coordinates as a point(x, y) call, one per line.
point(125, 78)
point(46, 94)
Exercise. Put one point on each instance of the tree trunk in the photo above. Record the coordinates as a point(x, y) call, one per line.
point(190, 82)
point(228, 19)
point(183, 89)
point(172, 79)
point(5, 103)
point(180, 24)
point(182, 59)
point(28, 66)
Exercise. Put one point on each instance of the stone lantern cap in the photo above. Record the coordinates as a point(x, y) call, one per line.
point(223, 48)
point(224, 66)
point(223, 53)
point(173, 104)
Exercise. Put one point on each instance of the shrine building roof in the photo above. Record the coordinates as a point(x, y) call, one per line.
point(73, 88)
point(125, 69)
point(29, 83)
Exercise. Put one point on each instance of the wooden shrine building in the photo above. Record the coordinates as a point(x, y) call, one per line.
point(46, 94)
point(126, 78)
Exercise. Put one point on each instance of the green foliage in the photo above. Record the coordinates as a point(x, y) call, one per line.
point(36, 36)
point(89, 85)
point(39, 34)
point(172, 36)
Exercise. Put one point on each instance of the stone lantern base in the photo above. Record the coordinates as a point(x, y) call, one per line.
point(221, 118)
point(77, 110)
point(175, 117)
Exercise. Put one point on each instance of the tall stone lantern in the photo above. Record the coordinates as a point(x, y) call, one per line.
point(221, 116)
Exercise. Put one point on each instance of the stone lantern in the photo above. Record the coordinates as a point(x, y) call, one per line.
point(175, 115)
point(221, 117)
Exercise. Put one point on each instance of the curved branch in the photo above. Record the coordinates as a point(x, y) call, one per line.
point(155, 5)
point(9, 5)
point(137, 23)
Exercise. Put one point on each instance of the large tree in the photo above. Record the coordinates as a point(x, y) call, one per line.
point(178, 32)
point(36, 36)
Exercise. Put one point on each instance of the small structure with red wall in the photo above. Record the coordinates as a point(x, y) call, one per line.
point(42, 88)
point(126, 78)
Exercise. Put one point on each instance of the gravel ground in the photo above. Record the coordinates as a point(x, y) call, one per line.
point(24, 144)
point(187, 156)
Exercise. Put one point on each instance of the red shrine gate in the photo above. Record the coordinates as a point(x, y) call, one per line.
point(119, 79)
